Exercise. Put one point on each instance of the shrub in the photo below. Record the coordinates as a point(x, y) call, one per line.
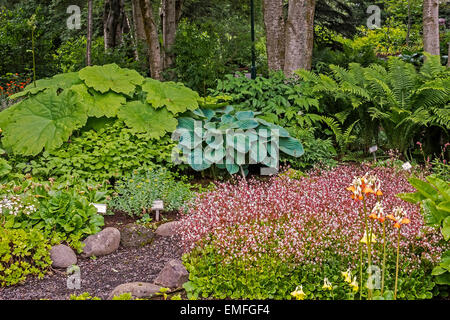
point(60, 212)
point(99, 154)
point(136, 193)
point(22, 254)
point(298, 232)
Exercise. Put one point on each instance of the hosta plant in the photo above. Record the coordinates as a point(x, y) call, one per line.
point(50, 112)
point(232, 140)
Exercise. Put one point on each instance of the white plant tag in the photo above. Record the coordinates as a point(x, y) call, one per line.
point(406, 166)
point(158, 205)
point(101, 208)
point(373, 149)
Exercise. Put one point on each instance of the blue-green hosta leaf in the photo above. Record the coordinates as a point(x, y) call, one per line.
point(280, 131)
point(197, 160)
point(232, 168)
point(214, 155)
point(214, 138)
point(247, 124)
point(44, 121)
point(59, 81)
point(174, 96)
point(226, 110)
point(141, 117)
point(291, 147)
point(258, 152)
point(97, 104)
point(227, 118)
point(246, 115)
point(111, 77)
point(205, 113)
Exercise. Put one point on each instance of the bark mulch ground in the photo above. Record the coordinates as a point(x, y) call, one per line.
point(101, 275)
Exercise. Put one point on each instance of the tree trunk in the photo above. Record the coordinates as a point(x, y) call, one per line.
point(275, 27)
point(151, 34)
point(431, 26)
point(139, 31)
point(299, 36)
point(170, 15)
point(89, 35)
point(113, 22)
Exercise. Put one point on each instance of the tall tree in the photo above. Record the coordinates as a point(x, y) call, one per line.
point(114, 22)
point(152, 37)
point(289, 41)
point(431, 26)
point(170, 13)
point(89, 35)
point(274, 24)
point(299, 36)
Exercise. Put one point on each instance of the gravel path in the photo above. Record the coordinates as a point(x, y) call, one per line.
point(100, 276)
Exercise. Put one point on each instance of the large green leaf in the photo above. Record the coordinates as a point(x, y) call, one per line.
point(291, 146)
point(111, 77)
point(424, 188)
point(141, 117)
point(441, 185)
point(175, 97)
point(413, 197)
point(44, 121)
point(59, 81)
point(97, 104)
point(446, 228)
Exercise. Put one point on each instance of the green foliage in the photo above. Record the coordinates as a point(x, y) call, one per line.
point(403, 100)
point(83, 296)
point(111, 77)
point(434, 197)
point(270, 278)
point(111, 151)
point(22, 254)
point(63, 210)
point(45, 120)
point(56, 108)
point(251, 137)
point(136, 193)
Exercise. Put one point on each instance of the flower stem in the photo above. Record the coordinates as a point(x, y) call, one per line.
point(360, 271)
point(384, 258)
point(396, 267)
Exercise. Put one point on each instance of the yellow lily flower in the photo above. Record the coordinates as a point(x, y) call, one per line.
point(298, 294)
point(347, 276)
point(366, 240)
point(327, 284)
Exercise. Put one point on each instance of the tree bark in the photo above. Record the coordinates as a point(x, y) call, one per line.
point(299, 36)
point(151, 35)
point(274, 24)
point(170, 15)
point(431, 26)
point(89, 35)
point(113, 22)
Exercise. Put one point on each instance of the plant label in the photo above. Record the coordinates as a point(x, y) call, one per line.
point(406, 166)
point(373, 149)
point(101, 208)
point(158, 205)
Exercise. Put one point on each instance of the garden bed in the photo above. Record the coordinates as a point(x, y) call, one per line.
point(101, 275)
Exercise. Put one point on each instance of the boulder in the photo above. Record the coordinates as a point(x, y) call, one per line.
point(173, 275)
point(137, 290)
point(135, 235)
point(167, 229)
point(62, 256)
point(105, 242)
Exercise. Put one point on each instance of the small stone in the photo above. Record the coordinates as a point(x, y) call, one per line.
point(62, 256)
point(167, 229)
point(105, 242)
point(136, 289)
point(173, 275)
point(135, 235)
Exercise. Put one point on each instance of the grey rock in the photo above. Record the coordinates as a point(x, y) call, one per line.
point(62, 256)
point(173, 275)
point(137, 289)
point(167, 229)
point(135, 235)
point(105, 242)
